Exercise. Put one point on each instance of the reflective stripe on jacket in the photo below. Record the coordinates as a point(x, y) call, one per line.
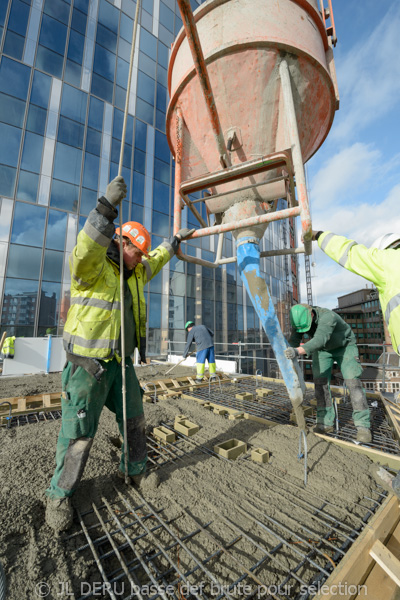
point(7, 350)
point(382, 267)
point(93, 323)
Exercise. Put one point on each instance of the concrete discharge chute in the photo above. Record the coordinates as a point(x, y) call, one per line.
point(253, 95)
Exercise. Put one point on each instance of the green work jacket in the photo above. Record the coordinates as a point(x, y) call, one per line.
point(331, 333)
point(382, 267)
point(93, 324)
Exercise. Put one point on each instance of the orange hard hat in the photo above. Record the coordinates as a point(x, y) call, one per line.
point(138, 235)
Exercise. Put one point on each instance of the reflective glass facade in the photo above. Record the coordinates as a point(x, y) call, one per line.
point(63, 79)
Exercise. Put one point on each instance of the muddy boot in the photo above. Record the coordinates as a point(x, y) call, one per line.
point(143, 482)
point(59, 513)
point(364, 435)
point(320, 428)
point(198, 380)
point(213, 377)
point(383, 478)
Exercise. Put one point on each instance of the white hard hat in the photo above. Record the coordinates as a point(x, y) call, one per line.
point(388, 240)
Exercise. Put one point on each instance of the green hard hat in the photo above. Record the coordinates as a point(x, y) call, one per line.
point(189, 324)
point(301, 317)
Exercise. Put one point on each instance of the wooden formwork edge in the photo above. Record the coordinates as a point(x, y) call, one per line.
point(378, 456)
point(355, 566)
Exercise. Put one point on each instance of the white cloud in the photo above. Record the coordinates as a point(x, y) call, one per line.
point(329, 281)
point(351, 168)
point(364, 224)
point(369, 77)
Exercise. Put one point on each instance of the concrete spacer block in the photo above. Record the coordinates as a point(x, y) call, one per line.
point(186, 427)
point(245, 396)
point(208, 405)
point(164, 434)
point(264, 392)
point(234, 415)
point(220, 411)
point(231, 448)
point(260, 455)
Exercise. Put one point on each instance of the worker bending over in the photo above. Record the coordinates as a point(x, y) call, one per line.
point(332, 340)
point(92, 376)
point(203, 338)
point(380, 264)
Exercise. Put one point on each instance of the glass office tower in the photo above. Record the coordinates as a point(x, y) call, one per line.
point(63, 78)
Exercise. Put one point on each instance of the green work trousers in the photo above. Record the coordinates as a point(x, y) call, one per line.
point(347, 360)
point(82, 401)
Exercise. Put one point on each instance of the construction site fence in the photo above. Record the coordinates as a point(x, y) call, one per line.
point(253, 358)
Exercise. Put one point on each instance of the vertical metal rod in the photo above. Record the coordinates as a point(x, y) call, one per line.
point(302, 437)
point(204, 80)
point(383, 368)
point(219, 247)
point(96, 556)
point(298, 164)
point(121, 253)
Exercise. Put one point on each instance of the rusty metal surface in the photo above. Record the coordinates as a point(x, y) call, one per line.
point(202, 74)
point(242, 44)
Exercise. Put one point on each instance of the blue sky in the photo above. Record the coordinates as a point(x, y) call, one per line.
point(354, 178)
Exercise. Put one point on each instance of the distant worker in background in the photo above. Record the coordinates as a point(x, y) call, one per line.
point(331, 340)
point(203, 338)
point(7, 350)
point(380, 264)
point(92, 376)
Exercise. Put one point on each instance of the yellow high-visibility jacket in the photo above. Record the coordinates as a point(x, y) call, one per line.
point(382, 267)
point(93, 322)
point(7, 350)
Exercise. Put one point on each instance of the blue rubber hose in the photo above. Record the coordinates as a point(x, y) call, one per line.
point(248, 259)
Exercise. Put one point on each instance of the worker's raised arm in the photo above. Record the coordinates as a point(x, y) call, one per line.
point(357, 258)
point(162, 254)
point(86, 260)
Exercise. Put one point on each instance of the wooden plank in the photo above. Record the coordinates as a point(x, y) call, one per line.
point(378, 584)
point(383, 458)
point(162, 384)
point(356, 565)
point(386, 560)
point(3, 337)
point(392, 416)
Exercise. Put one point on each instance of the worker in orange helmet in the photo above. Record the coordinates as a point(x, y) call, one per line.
point(92, 377)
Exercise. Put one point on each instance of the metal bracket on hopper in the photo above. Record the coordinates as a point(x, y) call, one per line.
point(266, 163)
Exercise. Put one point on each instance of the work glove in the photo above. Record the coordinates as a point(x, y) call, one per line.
point(182, 234)
point(291, 353)
point(116, 191)
point(315, 235)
